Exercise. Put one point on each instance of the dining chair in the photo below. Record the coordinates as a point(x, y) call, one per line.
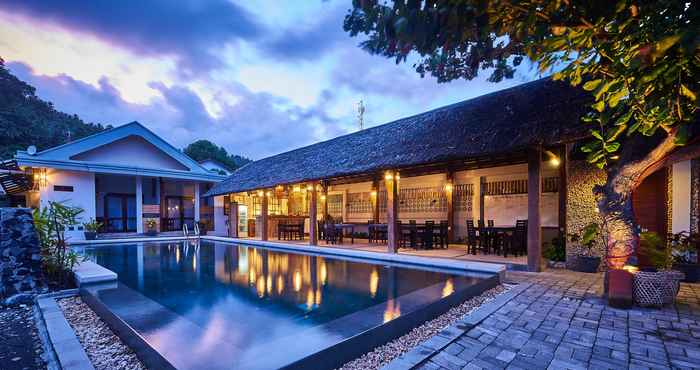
point(413, 231)
point(519, 243)
point(443, 234)
point(484, 239)
point(428, 234)
point(472, 240)
point(330, 233)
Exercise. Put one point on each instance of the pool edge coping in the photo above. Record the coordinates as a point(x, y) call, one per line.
point(70, 354)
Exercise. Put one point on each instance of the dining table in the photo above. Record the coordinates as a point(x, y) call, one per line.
point(344, 227)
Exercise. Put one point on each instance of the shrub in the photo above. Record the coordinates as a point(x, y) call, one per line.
point(555, 251)
point(50, 222)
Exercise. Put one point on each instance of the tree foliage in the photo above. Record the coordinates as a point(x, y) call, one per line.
point(639, 59)
point(27, 120)
point(202, 150)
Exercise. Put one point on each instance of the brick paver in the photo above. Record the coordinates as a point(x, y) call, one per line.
point(561, 322)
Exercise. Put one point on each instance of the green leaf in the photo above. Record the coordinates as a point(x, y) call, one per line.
point(596, 157)
point(624, 118)
point(612, 147)
point(614, 132)
point(681, 136)
point(615, 97)
point(596, 134)
point(599, 106)
point(591, 85)
point(662, 46)
point(685, 91)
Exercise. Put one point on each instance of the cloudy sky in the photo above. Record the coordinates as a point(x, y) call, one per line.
point(257, 77)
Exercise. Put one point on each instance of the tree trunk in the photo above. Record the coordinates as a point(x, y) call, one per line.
point(615, 199)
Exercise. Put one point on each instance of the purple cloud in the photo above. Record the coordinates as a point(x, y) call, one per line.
point(251, 127)
point(189, 29)
point(311, 42)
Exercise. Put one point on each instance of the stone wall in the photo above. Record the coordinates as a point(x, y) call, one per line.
point(20, 257)
point(695, 195)
point(581, 204)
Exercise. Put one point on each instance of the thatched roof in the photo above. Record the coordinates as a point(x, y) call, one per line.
point(540, 112)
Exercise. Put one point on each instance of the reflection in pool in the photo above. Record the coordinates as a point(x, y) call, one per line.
point(218, 305)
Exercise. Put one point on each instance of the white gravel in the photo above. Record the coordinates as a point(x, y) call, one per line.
point(104, 349)
point(382, 355)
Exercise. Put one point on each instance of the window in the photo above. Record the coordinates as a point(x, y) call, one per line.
point(63, 188)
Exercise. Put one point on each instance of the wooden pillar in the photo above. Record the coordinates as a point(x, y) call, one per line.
point(449, 190)
point(324, 188)
point(139, 204)
point(233, 220)
point(392, 211)
point(263, 217)
point(163, 206)
point(196, 202)
point(374, 194)
point(482, 195)
point(313, 219)
point(534, 224)
point(563, 187)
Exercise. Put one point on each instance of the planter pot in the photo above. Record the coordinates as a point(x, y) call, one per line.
point(90, 235)
point(656, 289)
point(585, 264)
point(690, 270)
point(151, 232)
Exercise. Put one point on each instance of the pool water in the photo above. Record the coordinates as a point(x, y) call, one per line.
point(220, 305)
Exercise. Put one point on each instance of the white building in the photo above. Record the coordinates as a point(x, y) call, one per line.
point(123, 177)
point(215, 167)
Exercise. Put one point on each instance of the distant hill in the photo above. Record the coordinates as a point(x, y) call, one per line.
point(27, 120)
point(204, 149)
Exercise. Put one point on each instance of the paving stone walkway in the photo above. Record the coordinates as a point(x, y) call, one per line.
point(560, 322)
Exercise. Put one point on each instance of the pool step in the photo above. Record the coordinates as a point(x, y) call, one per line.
point(88, 272)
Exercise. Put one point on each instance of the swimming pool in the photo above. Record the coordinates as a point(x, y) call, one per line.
point(220, 305)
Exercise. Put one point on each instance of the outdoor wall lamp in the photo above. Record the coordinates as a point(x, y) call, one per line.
point(260, 193)
point(40, 178)
point(553, 159)
point(448, 187)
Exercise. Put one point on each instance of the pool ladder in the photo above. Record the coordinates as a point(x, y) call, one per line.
point(195, 231)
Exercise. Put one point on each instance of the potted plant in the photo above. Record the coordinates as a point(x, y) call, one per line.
point(151, 225)
point(585, 260)
point(656, 285)
point(91, 228)
point(555, 252)
point(684, 246)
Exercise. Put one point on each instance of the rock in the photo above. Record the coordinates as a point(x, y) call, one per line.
point(20, 255)
point(20, 298)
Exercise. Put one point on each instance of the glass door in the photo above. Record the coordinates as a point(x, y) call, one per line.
point(174, 219)
point(120, 213)
point(242, 220)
